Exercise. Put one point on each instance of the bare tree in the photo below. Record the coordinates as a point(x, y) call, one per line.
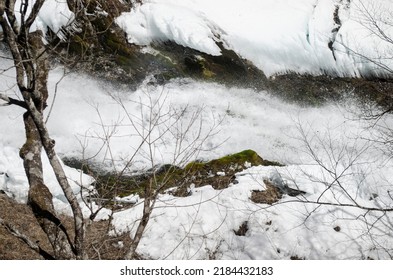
point(346, 180)
point(32, 67)
point(155, 124)
point(31, 62)
point(375, 20)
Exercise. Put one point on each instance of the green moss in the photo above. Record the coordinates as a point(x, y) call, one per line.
point(240, 158)
point(237, 160)
point(110, 185)
point(197, 173)
point(207, 73)
point(219, 173)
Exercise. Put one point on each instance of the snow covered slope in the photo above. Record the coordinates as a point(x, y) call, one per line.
point(304, 36)
point(94, 120)
point(203, 224)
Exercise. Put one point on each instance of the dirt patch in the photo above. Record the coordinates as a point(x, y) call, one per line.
point(99, 244)
point(269, 196)
point(102, 246)
point(242, 230)
point(22, 218)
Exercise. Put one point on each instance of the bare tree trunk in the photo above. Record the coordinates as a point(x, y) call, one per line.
point(31, 64)
point(40, 198)
point(148, 205)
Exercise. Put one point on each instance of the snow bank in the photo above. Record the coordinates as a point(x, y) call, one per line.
point(277, 36)
point(54, 15)
point(13, 180)
point(203, 225)
point(161, 22)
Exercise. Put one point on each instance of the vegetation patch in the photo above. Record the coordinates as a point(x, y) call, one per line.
point(218, 173)
point(101, 245)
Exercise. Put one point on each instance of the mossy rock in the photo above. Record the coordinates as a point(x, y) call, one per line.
point(218, 173)
point(233, 163)
point(227, 68)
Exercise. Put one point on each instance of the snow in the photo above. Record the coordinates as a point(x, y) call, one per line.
point(54, 14)
point(277, 36)
point(195, 226)
point(182, 25)
point(107, 125)
point(203, 223)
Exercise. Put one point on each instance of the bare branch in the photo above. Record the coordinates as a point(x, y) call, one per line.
point(11, 101)
point(34, 13)
point(10, 12)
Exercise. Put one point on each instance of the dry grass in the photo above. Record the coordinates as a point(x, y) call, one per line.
point(21, 216)
point(99, 244)
point(102, 246)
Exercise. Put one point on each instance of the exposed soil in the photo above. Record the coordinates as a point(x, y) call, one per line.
point(100, 245)
point(269, 196)
point(21, 216)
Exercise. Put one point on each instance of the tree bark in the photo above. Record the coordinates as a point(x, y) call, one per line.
point(39, 196)
point(148, 205)
point(32, 68)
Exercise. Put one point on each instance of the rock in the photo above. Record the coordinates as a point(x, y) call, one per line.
point(276, 187)
point(276, 180)
point(218, 173)
point(269, 196)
